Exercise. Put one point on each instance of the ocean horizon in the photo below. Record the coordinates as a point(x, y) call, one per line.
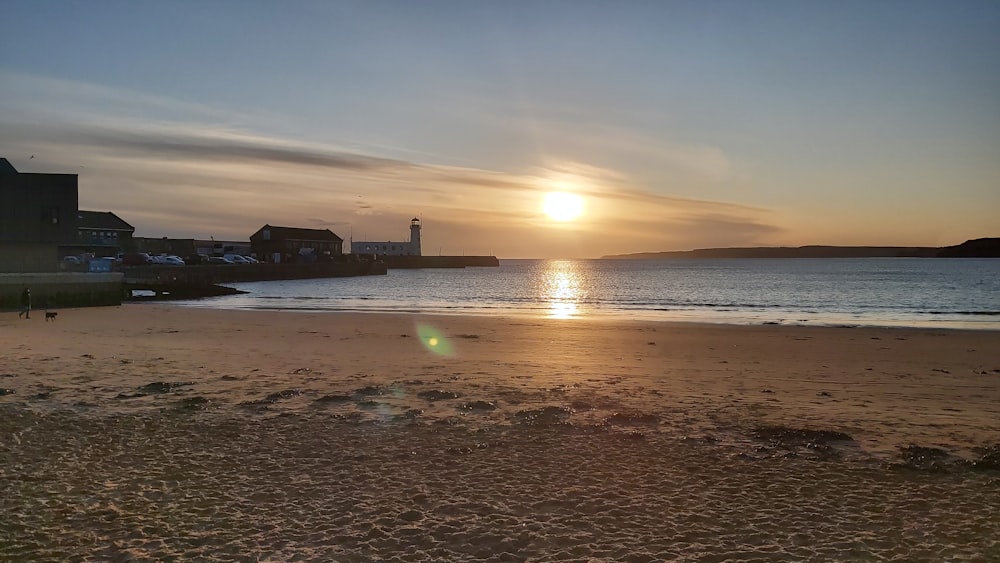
point(911, 292)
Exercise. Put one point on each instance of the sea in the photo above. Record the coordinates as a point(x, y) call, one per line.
point(910, 292)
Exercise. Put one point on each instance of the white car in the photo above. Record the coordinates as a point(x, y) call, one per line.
point(172, 261)
point(236, 259)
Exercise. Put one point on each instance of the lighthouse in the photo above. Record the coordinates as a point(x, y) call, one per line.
point(415, 237)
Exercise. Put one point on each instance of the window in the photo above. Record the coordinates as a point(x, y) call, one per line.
point(50, 214)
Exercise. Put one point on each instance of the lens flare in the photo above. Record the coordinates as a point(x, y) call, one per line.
point(434, 341)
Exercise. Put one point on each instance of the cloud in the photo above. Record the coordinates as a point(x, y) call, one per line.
point(199, 177)
point(615, 146)
point(61, 99)
point(199, 143)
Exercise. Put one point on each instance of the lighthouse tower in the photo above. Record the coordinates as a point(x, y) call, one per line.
point(415, 237)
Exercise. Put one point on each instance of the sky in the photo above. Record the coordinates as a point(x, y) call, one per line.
point(678, 124)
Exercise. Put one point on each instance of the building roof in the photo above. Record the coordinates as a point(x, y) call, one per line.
point(297, 233)
point(103, 220)
point(6, 167)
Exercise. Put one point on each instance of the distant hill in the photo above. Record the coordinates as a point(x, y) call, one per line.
point(978, 248)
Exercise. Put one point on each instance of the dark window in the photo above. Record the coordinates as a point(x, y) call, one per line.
point(50, 214)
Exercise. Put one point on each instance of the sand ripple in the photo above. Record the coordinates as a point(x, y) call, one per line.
point(220, 486)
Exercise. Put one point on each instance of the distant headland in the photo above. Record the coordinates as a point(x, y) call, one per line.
point(978, 248)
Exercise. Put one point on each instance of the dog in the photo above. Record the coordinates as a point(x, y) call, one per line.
point(50, 316)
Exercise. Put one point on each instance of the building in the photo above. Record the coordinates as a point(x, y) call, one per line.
point(292, 244)
point(389, 248)
point(38, 217)
point(102, 233)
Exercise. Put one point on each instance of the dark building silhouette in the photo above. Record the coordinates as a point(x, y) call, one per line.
point(295, 244)
point(103, 233)
point(38, 216)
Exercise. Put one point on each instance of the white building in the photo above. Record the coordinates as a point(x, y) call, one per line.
point(390, 248)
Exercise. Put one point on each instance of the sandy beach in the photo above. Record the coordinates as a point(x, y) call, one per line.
point(151, 432)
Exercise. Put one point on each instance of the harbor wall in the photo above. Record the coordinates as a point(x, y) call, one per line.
point(63, 289)
point(214, 274)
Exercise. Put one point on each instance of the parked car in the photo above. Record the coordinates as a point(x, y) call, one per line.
point(172, 261)
point(236, 259)
point(136, 259)
point(219, 260)
point(71, 261)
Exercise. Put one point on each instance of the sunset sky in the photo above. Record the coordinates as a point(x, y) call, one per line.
point(679, 124)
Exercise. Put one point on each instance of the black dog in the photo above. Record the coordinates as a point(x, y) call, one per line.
point(50, 315)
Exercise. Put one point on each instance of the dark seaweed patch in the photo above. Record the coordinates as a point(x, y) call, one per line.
point(333, 399)
point(799, 437)
point(437, 395)
point(545, 416)
point(989, 458)
point(922, 458)
point(164, 386)
point(193, 404)
point(478, 406)
point(263, 404)
point(286, 394)
point(371, 390)
point(631, 419)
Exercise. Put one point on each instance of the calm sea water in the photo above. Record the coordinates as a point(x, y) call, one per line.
point(961, 293)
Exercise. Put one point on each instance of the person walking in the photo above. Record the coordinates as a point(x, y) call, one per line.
point(25, 304)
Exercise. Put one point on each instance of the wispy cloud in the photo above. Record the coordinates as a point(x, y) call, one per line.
point(198, 177)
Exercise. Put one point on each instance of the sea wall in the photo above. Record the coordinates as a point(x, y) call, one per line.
point(231, 273)
point(65, 289)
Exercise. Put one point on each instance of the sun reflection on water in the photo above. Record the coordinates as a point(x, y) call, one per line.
point(561, 289)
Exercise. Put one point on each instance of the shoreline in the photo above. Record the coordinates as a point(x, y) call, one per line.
point(155, 431)
point(637, 315)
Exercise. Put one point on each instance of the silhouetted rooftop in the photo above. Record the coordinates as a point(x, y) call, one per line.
point(6, 167)
point(299, 233)
point(102, 220)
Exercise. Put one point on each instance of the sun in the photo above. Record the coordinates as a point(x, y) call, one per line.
point(562, 206)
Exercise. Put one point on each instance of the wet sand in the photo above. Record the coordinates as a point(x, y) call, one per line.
point(152, 432)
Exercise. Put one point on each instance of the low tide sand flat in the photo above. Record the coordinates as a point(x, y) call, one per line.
point(157, 432)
